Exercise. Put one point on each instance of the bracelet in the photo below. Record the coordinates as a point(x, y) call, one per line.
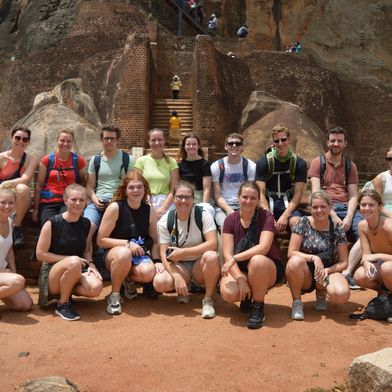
point(234, 259)
point(157, 260)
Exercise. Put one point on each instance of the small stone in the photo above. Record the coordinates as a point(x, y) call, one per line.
point(23, 354)
point(49, 384)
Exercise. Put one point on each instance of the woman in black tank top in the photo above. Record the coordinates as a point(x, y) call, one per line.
point(65, 248)
point(128, 233)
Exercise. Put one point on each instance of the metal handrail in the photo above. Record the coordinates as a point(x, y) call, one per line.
point(187, 15)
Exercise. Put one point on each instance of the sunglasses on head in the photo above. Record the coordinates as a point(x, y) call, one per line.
point(388, 159)
point(232, 144)
point(23, 138)
point(277, 141)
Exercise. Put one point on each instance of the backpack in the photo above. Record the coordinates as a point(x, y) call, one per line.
point(271, 165)
point(323, 167)
point(221, 164)
point(379, 308)
point(97, 164)
point(198, 220)
point(45, 194)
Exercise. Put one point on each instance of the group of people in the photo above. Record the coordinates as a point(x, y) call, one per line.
point(158, 221)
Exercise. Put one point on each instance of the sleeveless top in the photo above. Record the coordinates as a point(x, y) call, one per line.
point(5, 245)
point(13, 169)
point(141, 217)
point(387, 194)
point(69, 238)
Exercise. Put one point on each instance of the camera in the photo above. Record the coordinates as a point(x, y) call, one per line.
point(169, 251)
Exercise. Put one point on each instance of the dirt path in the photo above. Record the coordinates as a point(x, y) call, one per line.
point(164, 346)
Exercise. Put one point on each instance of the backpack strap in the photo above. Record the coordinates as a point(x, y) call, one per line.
point(51, 159)
point(271, 164)
point(323, 166)
point(347, 169)
point(125, 162)
point(75, 166)
point(97, 164)
point(221, 165)
point(245, 168)
point(293, 164)
point(199, 220)
point(170, 225)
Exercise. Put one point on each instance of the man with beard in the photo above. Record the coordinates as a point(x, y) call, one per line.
point(338, 176)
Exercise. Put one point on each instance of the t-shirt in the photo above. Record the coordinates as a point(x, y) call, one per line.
point(194, 171)
point(233, 178)
point(175, 122)
point(285, 178)
point(5, 245)
point(334, 181)
point(315, 241)
point(265, 222)
point(157, 172)
point(109, 174)
point(60, 176)
point(194, 236)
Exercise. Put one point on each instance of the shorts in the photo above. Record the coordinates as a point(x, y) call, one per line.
point(47, 210)
point(45, 297)
point(92, 213)
point(313, 285)
point(156, 201)
point(243, 266)
point(280, 208)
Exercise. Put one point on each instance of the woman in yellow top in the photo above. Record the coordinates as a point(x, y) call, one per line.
point(160, 171)
point(174, 128)
point(176, 86)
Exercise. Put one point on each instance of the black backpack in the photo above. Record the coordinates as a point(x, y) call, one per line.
point(379, 308)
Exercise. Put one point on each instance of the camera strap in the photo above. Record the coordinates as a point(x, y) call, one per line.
point(177, 232)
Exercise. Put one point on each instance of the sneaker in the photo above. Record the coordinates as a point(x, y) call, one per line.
point(18, 236)
point(245, 305)
point(195, 288)
point(67, 312)
point(208, 308)
point(149, 291)
point(183, 299)
point(297, 311)
point(321, 302)
point(351, 282)
point(129, 289)
point(389, 319)
point(114, 304)
point(256, 316)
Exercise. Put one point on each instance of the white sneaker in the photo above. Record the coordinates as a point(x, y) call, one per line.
point(321, 302)
point(183, 299)
point(114, 304)
point(130, 291)
point(389, 319)
point(208, 308)
point(297, 310)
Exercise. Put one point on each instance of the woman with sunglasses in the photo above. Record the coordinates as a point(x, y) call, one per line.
point(65, 249)
point(251, 259)
point(16, 170)
point(195, 169)
point(317, 256)
point(375, 234)
point(160, 171)
point(12, 291)
point(383, 185)
point(128, 235)
point(57, 171)
point(188, 248)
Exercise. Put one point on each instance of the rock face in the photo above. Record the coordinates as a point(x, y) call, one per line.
point(49, 384)
point(372, 372)
point(65, 107)
point(306, 137)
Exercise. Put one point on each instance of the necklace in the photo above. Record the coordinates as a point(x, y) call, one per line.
point(374, 230)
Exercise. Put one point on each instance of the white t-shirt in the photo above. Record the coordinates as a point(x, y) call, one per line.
point(194, 236)
point(233, 178)
point(5, 245)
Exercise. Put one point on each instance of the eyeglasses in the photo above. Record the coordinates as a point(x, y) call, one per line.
point(24, 138)
point(232, 144)
point(109, 139)
point(282, 140)
point(183, 197)
point(388, 159)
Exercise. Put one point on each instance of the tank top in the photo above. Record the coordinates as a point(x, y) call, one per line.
point(5, 245)
point(69, 238)
point(13, 169)
point(387, 194)
point(141, 217)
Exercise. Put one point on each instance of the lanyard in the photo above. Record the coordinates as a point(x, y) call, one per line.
point(187, 230)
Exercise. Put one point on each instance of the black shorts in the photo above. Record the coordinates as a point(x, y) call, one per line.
point(313, 285)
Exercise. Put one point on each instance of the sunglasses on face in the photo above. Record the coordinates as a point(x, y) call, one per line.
point(23, 138)
point(282, 140)
point(388, 159)
point(109, 139)
point(232, 144)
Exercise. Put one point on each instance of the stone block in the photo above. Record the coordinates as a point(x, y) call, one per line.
point(372, 372)
point(48, 384)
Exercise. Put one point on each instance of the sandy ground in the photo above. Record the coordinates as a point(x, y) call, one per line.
point(165, 346)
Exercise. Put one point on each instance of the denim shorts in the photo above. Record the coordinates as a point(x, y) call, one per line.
point(92, 214)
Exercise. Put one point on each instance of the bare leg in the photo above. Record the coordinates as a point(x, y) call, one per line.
point(338, 290)
point(119, 263)
point(261, 276)
point(89, 286)
point(23, 202)
point(142, 273)
point(353, 258)
point(206, 271)
point(12, 291)
point(298, 276)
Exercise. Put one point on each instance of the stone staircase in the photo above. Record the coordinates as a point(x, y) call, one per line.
point(162, 109)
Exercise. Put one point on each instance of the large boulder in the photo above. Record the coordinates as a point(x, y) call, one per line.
point(263, 112)
point(48, 384)
point(65, 107)
point(372, 372)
